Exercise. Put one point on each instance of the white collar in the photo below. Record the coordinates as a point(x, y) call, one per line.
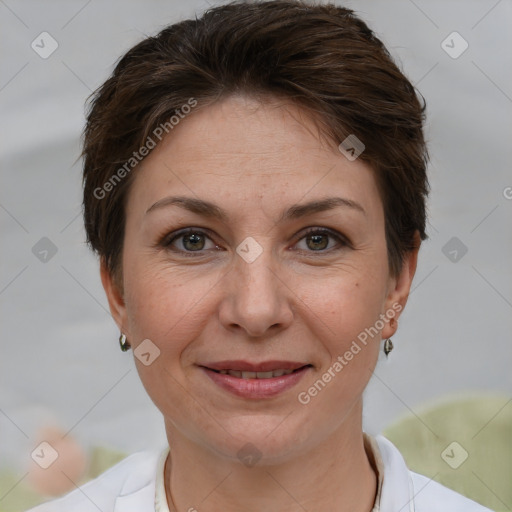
point(160, 496)
point(393, 493)
point(397, 491)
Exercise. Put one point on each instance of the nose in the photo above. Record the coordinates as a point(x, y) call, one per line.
point(256, 299)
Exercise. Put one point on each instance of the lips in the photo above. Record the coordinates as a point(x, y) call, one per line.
point(246, 366)
point(255, 375)
point(256, 380)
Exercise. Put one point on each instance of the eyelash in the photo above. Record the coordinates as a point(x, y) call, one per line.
point(168, 240)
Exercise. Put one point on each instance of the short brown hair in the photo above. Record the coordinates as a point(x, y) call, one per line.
point(322, 57)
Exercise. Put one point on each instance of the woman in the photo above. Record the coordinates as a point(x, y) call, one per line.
point(255, 186)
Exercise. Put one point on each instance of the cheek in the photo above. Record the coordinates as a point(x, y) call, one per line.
point(348, 301)
point(169, 310)
point(163, 304)
point(349, 331)
point(355, 337)
point(361, 302)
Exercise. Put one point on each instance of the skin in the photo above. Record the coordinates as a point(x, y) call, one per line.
point(302, 299)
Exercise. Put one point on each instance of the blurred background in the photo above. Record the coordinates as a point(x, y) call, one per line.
point(61, 370)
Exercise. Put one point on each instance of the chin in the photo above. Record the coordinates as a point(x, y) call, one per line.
point(263, 437)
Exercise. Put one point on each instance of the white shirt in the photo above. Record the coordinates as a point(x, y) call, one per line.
point(136, 484)
point(371, 448)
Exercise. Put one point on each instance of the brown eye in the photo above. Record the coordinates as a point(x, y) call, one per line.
point(317, 240)
point(195, 241)
point(192, 240)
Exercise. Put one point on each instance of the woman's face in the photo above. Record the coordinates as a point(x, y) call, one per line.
point(260, 278)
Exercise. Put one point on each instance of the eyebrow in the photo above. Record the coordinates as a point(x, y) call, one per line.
point(211, 210)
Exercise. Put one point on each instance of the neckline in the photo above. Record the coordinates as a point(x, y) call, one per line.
point(370, 445)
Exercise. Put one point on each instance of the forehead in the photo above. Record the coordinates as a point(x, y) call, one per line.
point(241, 148)
point(246, 130)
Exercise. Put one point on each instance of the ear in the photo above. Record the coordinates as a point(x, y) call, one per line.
point(400, 286)
point(115, 297)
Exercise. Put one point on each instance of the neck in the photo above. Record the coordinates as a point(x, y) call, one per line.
point(333, 475)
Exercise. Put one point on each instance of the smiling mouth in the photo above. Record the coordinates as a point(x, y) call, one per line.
point(259, 375)
point(256, 381)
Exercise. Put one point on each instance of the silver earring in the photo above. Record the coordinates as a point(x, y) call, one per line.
point(388, 346)
point(123, 342)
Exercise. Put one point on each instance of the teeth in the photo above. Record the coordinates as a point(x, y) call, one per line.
point(256, 375)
